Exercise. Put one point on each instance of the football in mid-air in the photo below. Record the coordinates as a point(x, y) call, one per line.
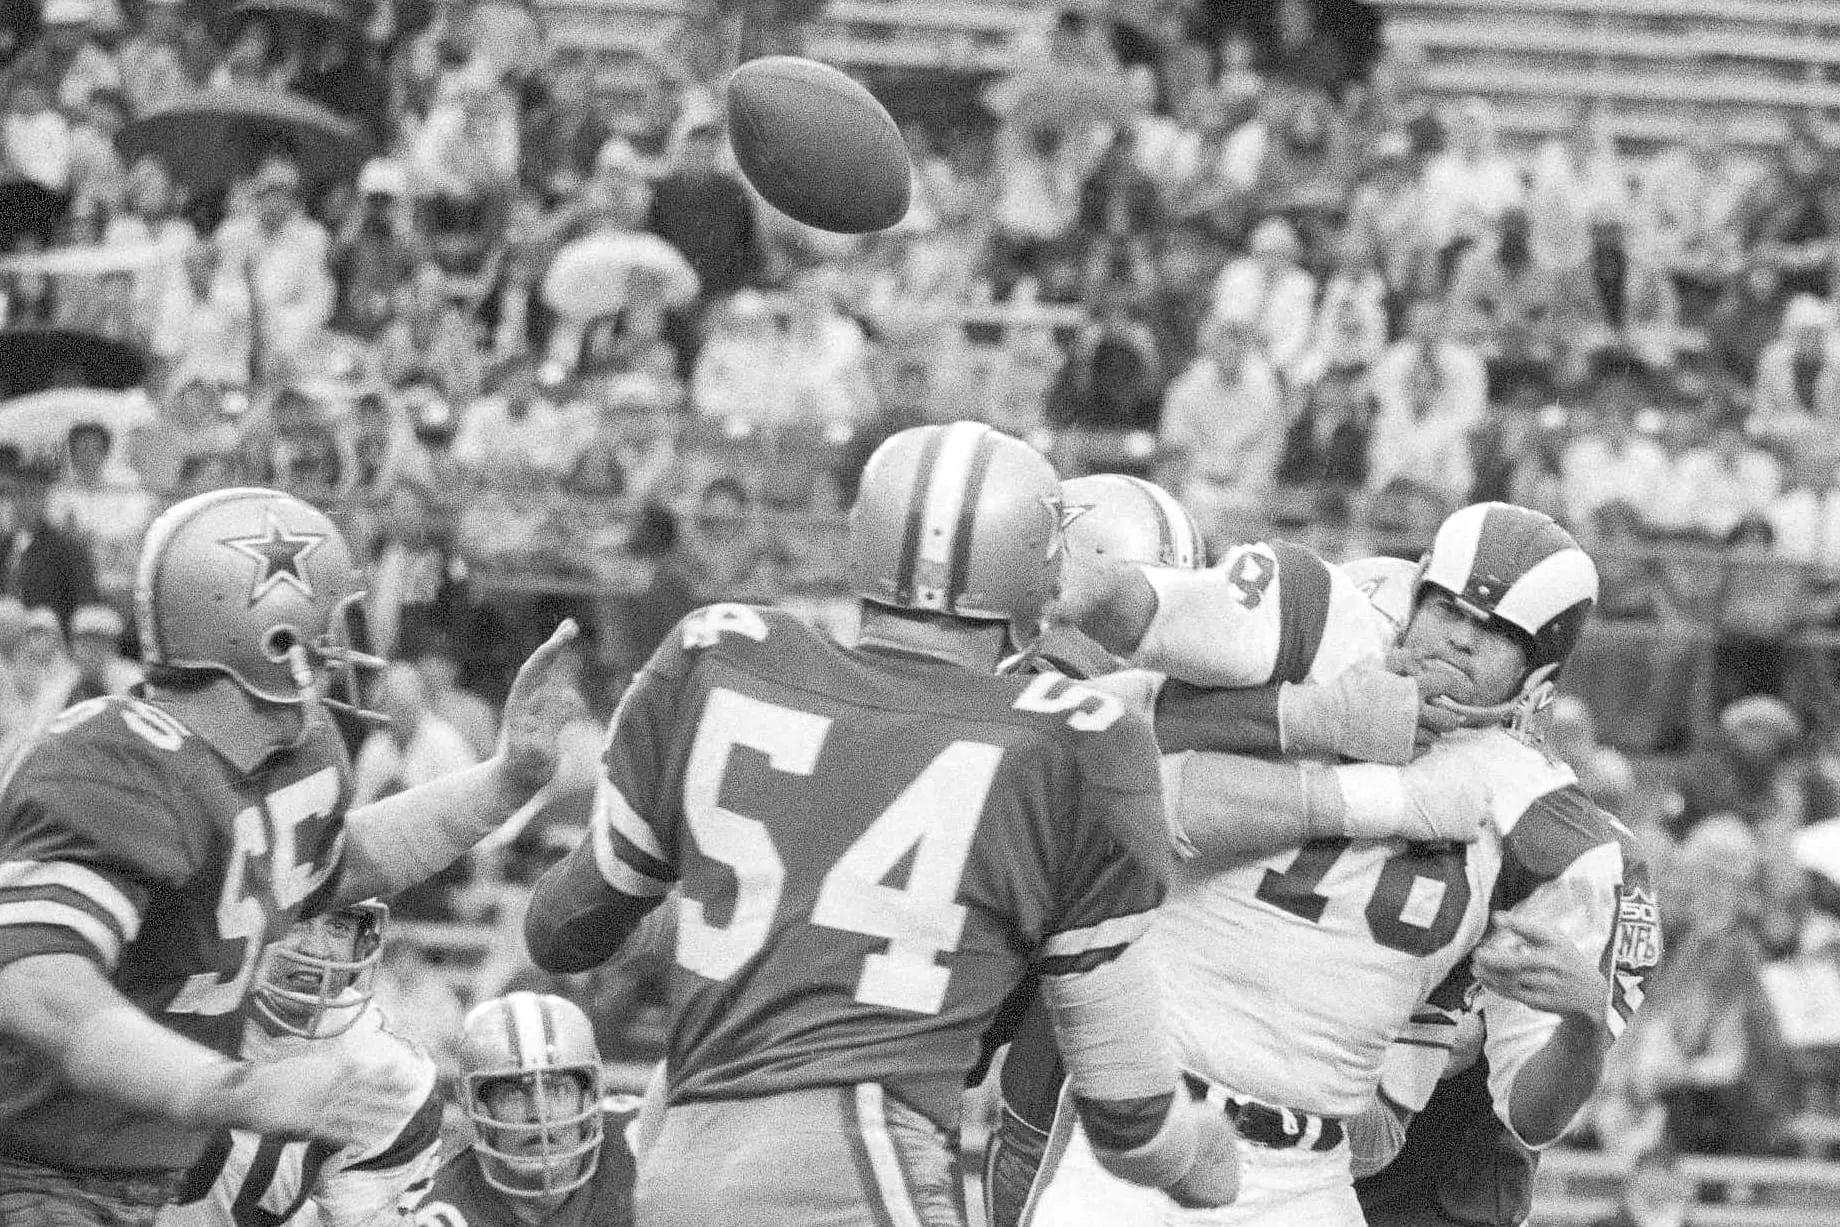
point(817, 145)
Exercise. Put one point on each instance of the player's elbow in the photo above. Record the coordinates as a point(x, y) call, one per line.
point(1120, 612)
point(576, 922)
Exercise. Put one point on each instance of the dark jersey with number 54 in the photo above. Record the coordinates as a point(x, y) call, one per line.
point(125, 839)
point(874, 846)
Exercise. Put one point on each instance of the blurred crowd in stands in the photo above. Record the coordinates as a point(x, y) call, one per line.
point(546, 353)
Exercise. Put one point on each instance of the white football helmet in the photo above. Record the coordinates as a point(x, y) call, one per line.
point(544, 1047)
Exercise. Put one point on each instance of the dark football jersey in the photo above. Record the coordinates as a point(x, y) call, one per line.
point(462, 1198)
point(1460, 1166)
point(127, 840)
point(874, 847)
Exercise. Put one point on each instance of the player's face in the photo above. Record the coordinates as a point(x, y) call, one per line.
point(1450, 652)
point(335, 937)
point(526, 1104)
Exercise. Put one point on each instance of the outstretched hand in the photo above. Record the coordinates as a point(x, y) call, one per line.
point(1537, 966)
point(535, 713)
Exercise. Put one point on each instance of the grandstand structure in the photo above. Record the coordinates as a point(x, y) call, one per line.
point(1656, 65)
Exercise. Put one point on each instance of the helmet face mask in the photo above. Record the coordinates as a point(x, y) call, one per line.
point(539, 1133)
point(532, 1091)
point(318, 979)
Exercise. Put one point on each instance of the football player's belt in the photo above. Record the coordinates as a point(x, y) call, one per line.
point(1278, 1128)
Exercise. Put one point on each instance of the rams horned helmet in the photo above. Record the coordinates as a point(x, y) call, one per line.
point(532, 1073)
point(258, 586)
point(961, 520)
point(1516, 566)
point(317, 980)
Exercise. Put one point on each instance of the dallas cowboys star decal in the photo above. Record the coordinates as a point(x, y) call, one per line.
point(278, 554)
point(1064, 513)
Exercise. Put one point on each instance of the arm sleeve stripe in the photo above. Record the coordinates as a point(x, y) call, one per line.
point(627, 880)
point(1303, 594)
point(1074, 964)
point(612, 808)
point(65, 916)
point(1117, 931)
point(638, 858)
point(419, 1133)
point(93, 886)
point(615, 871)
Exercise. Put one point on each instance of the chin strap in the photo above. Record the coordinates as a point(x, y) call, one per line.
point(1523, 714)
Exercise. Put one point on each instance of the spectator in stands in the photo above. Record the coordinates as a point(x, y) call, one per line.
point(190, 423)
point(1522, 314)
point(1386, 217)
point(1603, 772)
point(730, 547)
point(1788, 220)
point(430, 338)
point(737, 376)
point(1039, 171)
point(69, 58)
point(1303, 51)
point(1611, 460)
point(95, 650)
point(1757, 765)
point(1797, 391)
point(1805, 517)
point(35, 136)
point(1120, 213)
point(704, 210)
point(1021, 375)
point(563, 129)
point(101, 502)
point(383, 451)
point(448, 699)
point(1713, 486)
point(1430, 393)
point(377, 251)
point(517, 429)
point(1744, 322)
point(416, 747)
point(1222, 428)
point(152, 70)
point(41, 674)
point(702, 46)
point(256, 58)
point(1536, 458)
point(1472, 176)
point(1307, 174)
point(631, 453)
point(41, 565)
point(826, 354)
point(1269, 287)
point(1686, 213)
point(463, 162)
point(98, 179)
point(1333, 397)
point(1578, 182)
point(419, 583)
point(1705, 1042)
point(274, 256)
point(656, 590)
point(1114, 378)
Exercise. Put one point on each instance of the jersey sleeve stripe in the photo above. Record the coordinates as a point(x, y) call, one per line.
point(623, 877)
point(1117, 931)
point(97, 933)
point(419, 1134)
point(613, 809)
point(93, 886)
point(636, 857)
point(1554, 830)
point(1303, 597)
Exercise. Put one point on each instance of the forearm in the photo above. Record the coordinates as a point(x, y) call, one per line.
point(1227, 809)
point(394, 843)
point(1232, 721)
point(1553, 1086)
point(576, 921)
point(61, 1006)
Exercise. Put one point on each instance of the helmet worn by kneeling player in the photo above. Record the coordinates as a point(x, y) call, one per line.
point(260, 587)
point(542, 1048)
point(1117, 518)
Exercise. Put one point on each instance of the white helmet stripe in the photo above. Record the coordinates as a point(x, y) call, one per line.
point(945, 498)
point(1179, 527)
point(1531, 601)
point(1453, 554)
point(524, 1019)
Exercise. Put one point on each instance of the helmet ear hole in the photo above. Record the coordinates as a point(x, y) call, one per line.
point(279, 641)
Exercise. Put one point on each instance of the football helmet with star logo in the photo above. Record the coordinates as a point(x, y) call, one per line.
point(258, 586)
point(960, 520)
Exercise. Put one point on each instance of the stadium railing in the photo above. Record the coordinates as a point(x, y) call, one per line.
point(1576, 1187)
